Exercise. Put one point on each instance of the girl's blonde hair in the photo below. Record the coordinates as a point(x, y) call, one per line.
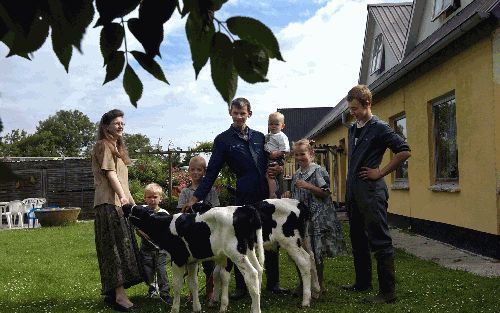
point(306, 143)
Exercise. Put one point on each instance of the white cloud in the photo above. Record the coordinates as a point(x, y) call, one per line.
point(322, 56)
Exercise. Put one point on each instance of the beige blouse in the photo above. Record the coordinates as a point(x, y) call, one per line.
point(103, 160)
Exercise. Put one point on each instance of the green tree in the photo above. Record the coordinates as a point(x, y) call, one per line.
point(147, 169)
point(72, 132)
point(9, 144)
point(6, 172)
point(67, 133)
point(137, 144)
point(39, 144)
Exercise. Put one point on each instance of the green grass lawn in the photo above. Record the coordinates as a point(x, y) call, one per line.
point(55, 270)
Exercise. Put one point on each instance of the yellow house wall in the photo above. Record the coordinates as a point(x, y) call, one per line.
point(470, 75)
point(399, 199)
point(496, 115)
point(476, 205)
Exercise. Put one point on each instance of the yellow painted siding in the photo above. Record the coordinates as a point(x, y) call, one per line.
point(496, 115)
point(470, 76)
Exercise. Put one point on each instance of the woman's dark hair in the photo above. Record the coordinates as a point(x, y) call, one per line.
point(105, 137)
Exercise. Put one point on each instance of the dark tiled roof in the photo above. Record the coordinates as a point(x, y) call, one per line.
point(393, 19)
point(299, 121)
point(334, 116)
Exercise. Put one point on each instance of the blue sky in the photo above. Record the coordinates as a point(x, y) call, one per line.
point(320, 40)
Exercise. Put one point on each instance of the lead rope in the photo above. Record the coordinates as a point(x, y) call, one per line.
point(185, 274)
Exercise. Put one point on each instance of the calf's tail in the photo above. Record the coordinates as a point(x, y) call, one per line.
point(304, 217)
point(260, 246)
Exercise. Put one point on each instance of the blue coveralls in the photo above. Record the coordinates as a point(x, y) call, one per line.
point(366, 200)
point(245, 156)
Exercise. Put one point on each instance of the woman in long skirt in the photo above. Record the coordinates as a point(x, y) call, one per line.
point(117, 251)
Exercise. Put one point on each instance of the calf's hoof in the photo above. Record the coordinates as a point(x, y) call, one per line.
point(196, 308)
point(238, 294)
point(223, 309)
point(212, 303)
point(315, 294)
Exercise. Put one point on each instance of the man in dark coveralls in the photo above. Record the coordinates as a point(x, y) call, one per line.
point(242, 149)
point(367, 195)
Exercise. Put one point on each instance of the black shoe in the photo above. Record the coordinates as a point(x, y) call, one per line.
point(238, 294)
point(120, 308)
point(109, 300)
point(382, 298)
point(278, 290)
point(356, 287)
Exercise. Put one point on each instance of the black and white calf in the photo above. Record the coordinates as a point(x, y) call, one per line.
point(217, 234)
point(284, 223)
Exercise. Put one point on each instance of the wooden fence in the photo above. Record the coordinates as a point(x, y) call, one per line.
point(64, 182)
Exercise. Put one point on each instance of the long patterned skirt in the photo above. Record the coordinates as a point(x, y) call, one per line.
point(325, 230)
point(117, 250)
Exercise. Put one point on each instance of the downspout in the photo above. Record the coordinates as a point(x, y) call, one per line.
point(345, 114)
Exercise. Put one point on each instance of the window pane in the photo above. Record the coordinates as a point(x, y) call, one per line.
point(377, 54)
point(445, 136)
point(438, 6)
point(400, 129)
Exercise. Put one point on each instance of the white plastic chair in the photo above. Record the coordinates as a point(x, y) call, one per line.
point(32, 205)
point(5, 212)
point(16, 208)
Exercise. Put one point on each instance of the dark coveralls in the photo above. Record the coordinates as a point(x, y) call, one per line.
point(366, 202)
point(245, 156)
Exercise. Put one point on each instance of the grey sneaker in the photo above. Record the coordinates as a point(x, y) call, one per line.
point(152, 294)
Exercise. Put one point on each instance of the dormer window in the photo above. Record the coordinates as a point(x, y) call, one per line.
point(377, 55)
point(444, 6)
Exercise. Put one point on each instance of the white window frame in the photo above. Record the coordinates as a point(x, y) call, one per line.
point(441, 6)
point(395, 121)
point(377, 54)
point(443, 180)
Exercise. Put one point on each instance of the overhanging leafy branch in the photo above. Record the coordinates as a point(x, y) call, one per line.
point(244, 50)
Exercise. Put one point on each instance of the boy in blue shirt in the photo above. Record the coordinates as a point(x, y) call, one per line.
point(242, 149)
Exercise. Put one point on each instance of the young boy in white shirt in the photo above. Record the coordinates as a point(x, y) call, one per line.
point(154, 261)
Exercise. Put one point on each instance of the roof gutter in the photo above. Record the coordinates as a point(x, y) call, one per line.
point(456, 33)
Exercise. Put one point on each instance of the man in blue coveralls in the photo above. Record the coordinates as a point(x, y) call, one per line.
point(242, 149)
point(366, 194)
